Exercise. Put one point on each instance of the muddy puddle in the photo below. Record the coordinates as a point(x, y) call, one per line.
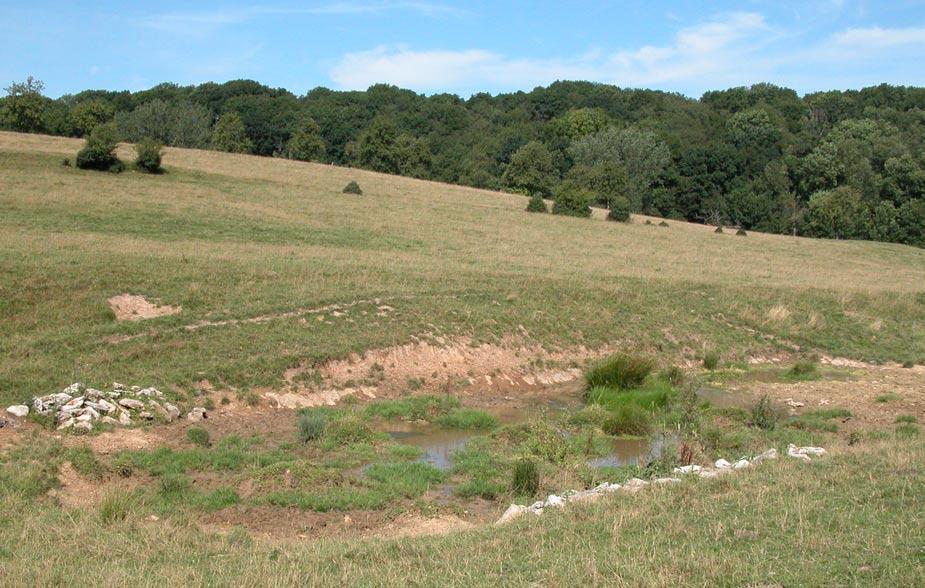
point(439, 445)
point(723, 398)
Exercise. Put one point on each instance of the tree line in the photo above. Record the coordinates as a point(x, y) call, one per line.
point(838, 164)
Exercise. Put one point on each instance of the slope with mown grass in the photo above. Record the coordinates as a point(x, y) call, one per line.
point(254, 240)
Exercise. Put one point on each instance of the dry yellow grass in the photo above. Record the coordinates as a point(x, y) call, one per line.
point(487, 227)
point(233, 236)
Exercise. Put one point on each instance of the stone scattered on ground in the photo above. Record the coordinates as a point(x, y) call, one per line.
point(804, 453)
point(80, 407)
point(721, 466)
point(197, 414)
point(18, 410)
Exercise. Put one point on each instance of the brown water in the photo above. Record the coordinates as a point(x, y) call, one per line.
point(439, 445)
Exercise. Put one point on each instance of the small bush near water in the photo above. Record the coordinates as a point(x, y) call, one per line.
point(526, 478)
point(622, 371)
point(198, 436)
point(148, 159)
point(629, 419)
point(352, 188)
point(311, 426)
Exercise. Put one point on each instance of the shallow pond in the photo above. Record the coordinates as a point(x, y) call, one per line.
point(439, 445)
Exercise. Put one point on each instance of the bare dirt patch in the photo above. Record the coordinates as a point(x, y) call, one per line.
point(412, 525)
point(434, 364)
point(132, 307)
point(905, 388)
point(76, 491)
point(125, 439)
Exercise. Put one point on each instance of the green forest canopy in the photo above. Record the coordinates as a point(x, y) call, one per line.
point(839, 164)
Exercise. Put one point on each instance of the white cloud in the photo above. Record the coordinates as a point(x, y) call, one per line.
point(879, 38)
point(709, 51)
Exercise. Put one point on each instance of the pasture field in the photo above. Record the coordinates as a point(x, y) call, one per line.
point(375, 366)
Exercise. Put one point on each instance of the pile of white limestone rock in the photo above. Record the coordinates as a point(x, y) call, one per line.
point(81, 408)
point(720, 467)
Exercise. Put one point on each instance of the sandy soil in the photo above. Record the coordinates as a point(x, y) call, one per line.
point(131, 307)
point(858, 393)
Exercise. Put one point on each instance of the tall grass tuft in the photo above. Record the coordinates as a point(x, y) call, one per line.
point(526, 480)
point(628, 419)
point(198, 436)
point(623, 371)
point(116, 506)
point(711, 360)
point(764, 414)
point(311, 426)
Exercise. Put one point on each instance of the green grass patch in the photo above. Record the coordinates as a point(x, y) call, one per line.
point(623, 371)
point(466, 418)
point(655, 395)
point(801, 371)
point(426, 407)
point(888, 397)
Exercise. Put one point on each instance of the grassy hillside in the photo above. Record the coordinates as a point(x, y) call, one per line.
point(273, 267)
point(239, 237)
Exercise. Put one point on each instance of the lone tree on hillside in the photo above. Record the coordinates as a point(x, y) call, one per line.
point(531, 169)
point(23, 106)
point(230, 135)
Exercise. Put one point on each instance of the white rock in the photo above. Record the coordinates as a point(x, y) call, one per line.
point(722, 464)
point(69, 422)
point(145, 415)
point(84, 425)
point(131, 403)
point(124, 419)
point(150, 392)
point(666, 480)
point(135, 388)
point(688, 469)
point(803, 453)
point(708, 473)
point(769, 454)
point(108, 420)
point(105, 406)
point(197, 414)
point(18, 410)
point(741, 464)
point(172, 410)
point(554, 501)
point(73, 389)
point(116, 386)
point(93, 393)
point(72, 405)
point(634, 485)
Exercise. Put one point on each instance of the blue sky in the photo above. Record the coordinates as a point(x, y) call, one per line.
point(431, 46)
